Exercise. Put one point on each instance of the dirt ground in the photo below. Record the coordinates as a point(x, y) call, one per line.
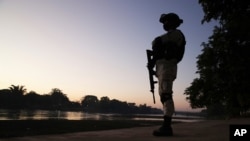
point(210, 130)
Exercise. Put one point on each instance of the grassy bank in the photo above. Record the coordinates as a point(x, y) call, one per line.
point(17, 128)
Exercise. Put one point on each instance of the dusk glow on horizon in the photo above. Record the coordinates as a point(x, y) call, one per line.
point(94, 47)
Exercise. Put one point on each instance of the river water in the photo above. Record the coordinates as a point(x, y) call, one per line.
point(76, 115)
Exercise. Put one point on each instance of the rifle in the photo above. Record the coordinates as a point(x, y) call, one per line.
point(151, 72)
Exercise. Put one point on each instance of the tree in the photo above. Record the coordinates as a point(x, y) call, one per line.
point(17, 90)
point(32, 100)
point(59, 99)
point(90, 103)
point(104, 104)
point(16, 96)
point(223, 65)
point(5, 98)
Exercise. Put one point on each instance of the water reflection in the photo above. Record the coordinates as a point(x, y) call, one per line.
point(30, 114)
point(44, 114)
point(67, 115)
point(15, 114)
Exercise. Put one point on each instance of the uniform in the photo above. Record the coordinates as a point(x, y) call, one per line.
point(168, 50)
point(166, 68)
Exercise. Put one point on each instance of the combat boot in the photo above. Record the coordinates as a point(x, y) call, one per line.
point(165, 129)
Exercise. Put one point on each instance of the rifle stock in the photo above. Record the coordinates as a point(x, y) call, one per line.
point(151, 72)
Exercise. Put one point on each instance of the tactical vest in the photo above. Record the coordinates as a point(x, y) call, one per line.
point(168, 49)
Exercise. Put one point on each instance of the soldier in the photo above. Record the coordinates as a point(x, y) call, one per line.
point(168, 51)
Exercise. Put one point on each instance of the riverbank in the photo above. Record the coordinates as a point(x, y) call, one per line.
point(19, 128)
point(208, 130)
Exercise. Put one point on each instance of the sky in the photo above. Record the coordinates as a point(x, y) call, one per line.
point(94, 47)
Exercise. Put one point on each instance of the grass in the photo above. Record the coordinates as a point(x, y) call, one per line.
point(19, 128)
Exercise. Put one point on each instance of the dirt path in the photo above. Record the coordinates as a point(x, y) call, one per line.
point(212, 130)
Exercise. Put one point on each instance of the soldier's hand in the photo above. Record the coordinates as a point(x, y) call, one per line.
point(150, 65)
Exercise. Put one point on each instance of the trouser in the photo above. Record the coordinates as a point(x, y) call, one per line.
point(166, 71)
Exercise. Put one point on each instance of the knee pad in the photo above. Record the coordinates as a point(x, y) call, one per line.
point(166, 96)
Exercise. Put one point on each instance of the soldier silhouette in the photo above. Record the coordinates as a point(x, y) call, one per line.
point(168, 50)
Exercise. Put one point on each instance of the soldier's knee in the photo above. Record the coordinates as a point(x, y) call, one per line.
point(166, 96)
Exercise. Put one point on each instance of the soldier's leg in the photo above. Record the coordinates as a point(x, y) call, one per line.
point(167, 99)
point(168, 109)
point(166, 71)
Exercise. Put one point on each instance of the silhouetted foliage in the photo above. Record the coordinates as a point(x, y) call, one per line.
point(91, 103)
point(58, 99)
point(104, 105)
point(17, 90)
point(5, 98)
point(223, 86)
point(16, 98)
point(16, 95)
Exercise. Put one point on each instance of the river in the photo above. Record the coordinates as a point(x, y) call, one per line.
point(76, 115)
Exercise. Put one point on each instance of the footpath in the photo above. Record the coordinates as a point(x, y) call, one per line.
point(211, 130)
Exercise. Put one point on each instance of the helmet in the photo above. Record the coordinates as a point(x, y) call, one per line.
point(170, 17)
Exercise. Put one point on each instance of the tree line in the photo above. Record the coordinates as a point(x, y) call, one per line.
point(16, 97)
point(223, 66)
